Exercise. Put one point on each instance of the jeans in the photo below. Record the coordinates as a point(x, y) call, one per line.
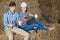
point(33, 23)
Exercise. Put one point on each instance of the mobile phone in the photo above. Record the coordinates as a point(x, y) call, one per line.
point(25, 17)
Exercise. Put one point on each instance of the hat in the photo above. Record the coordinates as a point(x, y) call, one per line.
point(23, 4)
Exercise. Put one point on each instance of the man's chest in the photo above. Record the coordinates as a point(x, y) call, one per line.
point(11, 17)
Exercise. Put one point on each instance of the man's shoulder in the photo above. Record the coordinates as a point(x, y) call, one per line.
point(27, 12)
point(16, 12)
point(19, 13)
point(6, 13)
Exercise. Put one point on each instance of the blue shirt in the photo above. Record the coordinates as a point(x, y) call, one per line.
point(10, 17)
point(22, 16)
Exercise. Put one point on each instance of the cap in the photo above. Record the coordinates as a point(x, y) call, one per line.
point(23, 4)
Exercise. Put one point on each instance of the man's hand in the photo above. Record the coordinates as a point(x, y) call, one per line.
point(24, 20)
point(20, 23)
point(52, 27)
point(36, 16)
point(31, 15)
point(11, 24)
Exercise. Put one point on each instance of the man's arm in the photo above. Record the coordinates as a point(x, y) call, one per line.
point(31, 14)
point(5, 20)
point(17, 19)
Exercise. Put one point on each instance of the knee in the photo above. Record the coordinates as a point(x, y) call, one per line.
point(10, 38)
point(27, 35)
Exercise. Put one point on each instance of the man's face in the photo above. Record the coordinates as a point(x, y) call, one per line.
point(12, 8)
point(23, 9)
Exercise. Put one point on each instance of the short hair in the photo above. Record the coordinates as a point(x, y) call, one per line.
point(12, 4)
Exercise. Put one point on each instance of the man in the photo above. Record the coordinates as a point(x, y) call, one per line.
point(11, 22)
point(27, 26)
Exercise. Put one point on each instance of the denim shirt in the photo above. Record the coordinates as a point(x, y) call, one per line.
point(10, 17)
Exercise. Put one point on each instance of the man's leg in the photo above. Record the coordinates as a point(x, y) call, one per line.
point(22, 32)
point(9, 33)
point(37, 24)
point(27, 27)
point(31, 21)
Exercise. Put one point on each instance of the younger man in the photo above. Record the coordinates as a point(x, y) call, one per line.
point(11, 22)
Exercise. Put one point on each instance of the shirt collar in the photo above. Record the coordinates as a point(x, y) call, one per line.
point(23, 13)
point(11, 12)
